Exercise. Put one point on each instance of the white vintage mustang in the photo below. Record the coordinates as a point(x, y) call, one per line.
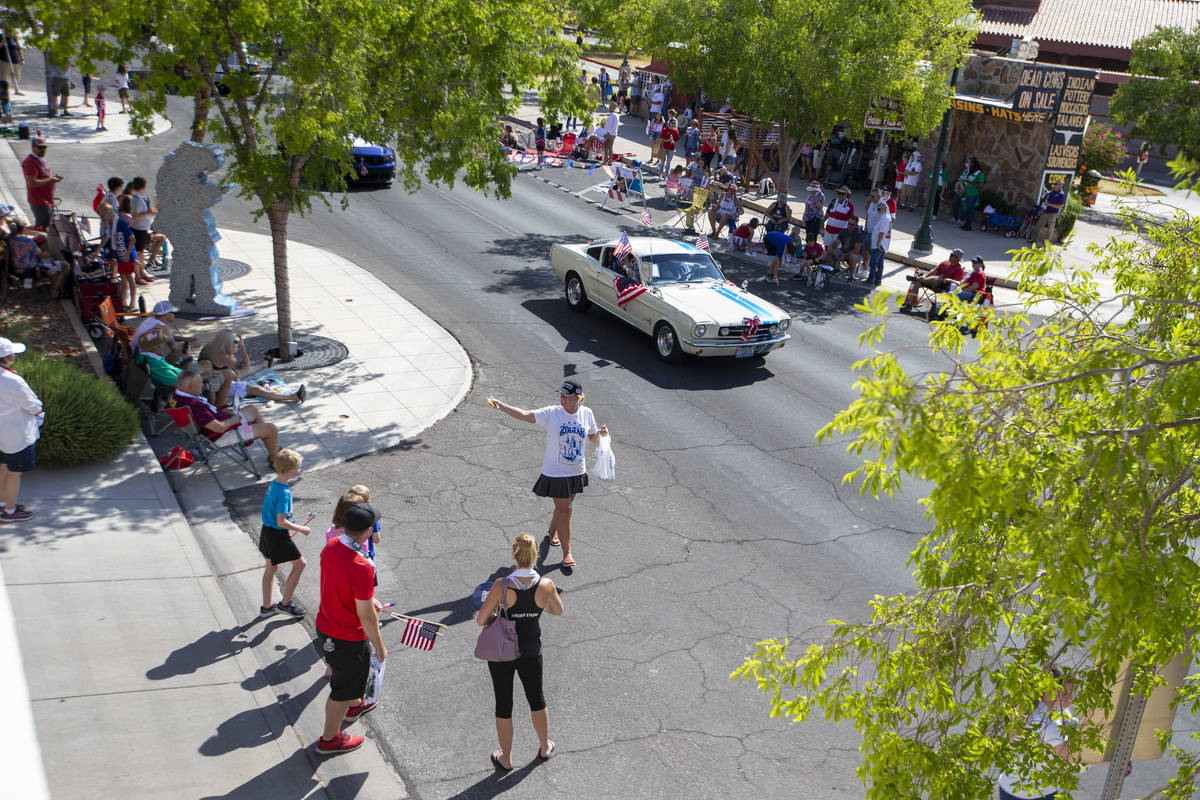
point(680, 298)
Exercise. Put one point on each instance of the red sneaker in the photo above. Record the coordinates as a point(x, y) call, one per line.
point(342, 743)
point(357, 711)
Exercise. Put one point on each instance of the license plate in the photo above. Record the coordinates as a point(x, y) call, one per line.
point(745, 352)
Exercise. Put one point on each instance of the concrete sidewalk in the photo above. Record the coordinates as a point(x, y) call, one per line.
point(149, 671)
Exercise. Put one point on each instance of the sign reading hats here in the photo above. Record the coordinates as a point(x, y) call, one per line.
point(884, 115)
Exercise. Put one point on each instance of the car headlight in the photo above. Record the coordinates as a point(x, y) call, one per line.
point(784, 323)
point(724, 331)
point(699, 330)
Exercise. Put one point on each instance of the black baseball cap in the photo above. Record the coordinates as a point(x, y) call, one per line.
point(570, 388)
point(360, 517)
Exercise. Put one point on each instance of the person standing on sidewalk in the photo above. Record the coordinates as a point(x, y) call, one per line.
point(881, 240)
point(974, 185)
point(40, 183)
point(526, 596)
point(611, 123)
point(275, 539)
point(347, 619)
point(1052, 206)
point(668, 136)
point(20, 417)
point(564, 471)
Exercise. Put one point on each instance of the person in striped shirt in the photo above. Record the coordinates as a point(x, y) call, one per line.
point(838, 215)
point(100, 110)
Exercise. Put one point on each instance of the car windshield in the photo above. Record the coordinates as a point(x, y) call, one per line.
point(682, 268)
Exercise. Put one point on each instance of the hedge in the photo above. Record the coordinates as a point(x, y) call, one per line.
point(86, 419)
point(1067, 217)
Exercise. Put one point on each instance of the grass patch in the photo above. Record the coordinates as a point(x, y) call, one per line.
point(1107, 186)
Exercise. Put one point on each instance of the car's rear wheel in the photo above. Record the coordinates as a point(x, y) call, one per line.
point(666, 343)
point(577, 298)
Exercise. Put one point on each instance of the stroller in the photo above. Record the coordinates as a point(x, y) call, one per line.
point(1029, 223)
point(997, 221)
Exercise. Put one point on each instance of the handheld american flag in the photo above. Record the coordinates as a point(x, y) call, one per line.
point(419, 634)
point(362, 168)
point(702, 242)
point(623, 247)
point(647, 220)
point(627, 289)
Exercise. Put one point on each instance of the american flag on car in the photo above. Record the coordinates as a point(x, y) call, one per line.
point(627, 289)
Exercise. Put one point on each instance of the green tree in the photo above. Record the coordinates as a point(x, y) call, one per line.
point(425, 79)
point(1162, 98)
point(805, 64)
point(1103, 148)
point(1063, 453)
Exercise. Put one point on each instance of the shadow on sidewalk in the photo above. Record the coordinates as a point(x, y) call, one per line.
point(282, 780)
point(253, 727)
point(496, 784)
point(211, 648)
point(606, 340)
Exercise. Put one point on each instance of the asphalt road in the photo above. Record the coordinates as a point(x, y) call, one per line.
point(727, 523)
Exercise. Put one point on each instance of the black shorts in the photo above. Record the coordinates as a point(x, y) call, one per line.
point(276, 544)
point(20, 461)
point(812, 227)
point(140, 239)
point(350, 663)
point(559, 487)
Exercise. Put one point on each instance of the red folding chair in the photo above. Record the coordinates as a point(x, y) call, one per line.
point(204, 448)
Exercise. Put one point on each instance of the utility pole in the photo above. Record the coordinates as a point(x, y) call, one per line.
point(923, 241)
point(1126, 722)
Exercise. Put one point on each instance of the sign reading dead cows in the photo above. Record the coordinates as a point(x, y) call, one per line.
point(1063, 97)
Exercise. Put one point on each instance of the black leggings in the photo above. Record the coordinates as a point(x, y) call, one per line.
point(530, 670)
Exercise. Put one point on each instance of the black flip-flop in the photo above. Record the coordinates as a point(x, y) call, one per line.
point(501, 767)
point(301, 394)
point(549, 753)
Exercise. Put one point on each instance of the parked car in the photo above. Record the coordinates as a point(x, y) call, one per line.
point(688, 306)
point(373, 163)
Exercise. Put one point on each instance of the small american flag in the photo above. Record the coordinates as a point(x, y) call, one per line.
point(419, 634)
point(751, 324)
point(623, 247)
point(627, 289)
point(702, 242)
point(647, 220)
point(362, 168)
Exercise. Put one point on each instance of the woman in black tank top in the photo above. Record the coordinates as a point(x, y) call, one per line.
point(528, 595)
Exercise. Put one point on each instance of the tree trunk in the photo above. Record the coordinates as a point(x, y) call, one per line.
point(202, 102)
point(789, 152)
point(50, 112)
point(278, 215)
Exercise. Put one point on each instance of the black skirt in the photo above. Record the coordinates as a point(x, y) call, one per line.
point(559, 487)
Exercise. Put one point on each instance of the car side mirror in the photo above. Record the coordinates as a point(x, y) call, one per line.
point(745, 285)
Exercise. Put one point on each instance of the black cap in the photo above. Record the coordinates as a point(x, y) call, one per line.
point(360, 517)
point(570, 388)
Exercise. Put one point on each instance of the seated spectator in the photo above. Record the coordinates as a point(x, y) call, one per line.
point(779, 215)
point(974, 283)
point(509, 139)
point(742, 236)
point(726, 210)
point(847, 248)
point(29, 258)
point(944, 276)
point(155, 335)
point(218, 422)
point(778, 245)
point(227, 352)
point(811, 257)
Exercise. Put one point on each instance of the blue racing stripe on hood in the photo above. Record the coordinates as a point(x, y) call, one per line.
point(753, 307)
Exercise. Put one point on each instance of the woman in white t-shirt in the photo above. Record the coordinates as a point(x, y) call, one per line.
point(564, 472)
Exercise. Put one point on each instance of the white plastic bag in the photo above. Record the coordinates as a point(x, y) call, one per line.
point(605, 467)
point(374, 678)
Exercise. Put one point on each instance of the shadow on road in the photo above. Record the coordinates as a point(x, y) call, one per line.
point(495, 784)
point(211, 648)
point(604, 337)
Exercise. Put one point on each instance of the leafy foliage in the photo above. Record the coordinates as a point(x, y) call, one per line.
point(1063, 453)
point(1103, 148)
point(1162, 99)
point(86, 419)
point(1068, 216)
point(805, 64)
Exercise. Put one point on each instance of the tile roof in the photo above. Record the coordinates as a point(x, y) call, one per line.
point(1104, 23)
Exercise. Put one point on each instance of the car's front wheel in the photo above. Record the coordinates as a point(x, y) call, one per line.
point(666, 343)
point(577, 298)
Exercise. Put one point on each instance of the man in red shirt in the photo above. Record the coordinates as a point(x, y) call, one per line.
point(669, 136)
point(39, 184)
point(347, 619)
point(942, 277)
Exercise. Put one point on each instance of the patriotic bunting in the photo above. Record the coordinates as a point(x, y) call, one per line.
point(751, 324)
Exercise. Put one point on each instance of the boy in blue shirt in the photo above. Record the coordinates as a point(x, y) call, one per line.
point(275, 540)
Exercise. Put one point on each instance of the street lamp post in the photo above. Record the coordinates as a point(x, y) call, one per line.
point(923, 242)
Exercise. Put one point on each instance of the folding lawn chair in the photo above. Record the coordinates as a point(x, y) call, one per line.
point(689, 214)
point(204, 449)
point(149, 398)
